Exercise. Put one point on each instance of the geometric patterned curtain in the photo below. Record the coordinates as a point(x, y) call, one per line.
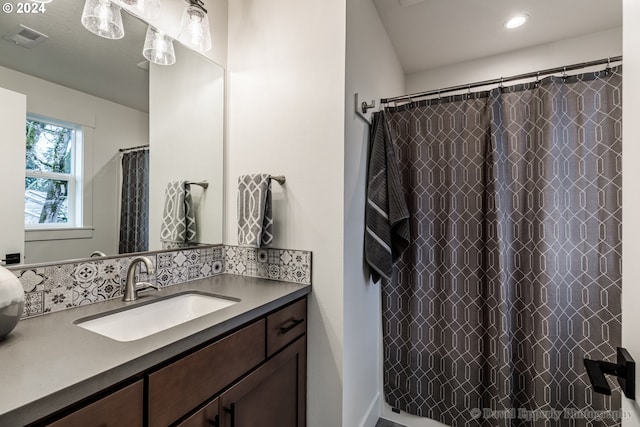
point(513, 273)
point(134, 211)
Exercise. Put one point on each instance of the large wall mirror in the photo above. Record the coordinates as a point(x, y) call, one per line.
point(90, 104)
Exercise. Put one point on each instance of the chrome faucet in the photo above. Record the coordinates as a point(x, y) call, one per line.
point(132, 287)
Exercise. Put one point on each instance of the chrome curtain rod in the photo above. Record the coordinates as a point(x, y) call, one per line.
point(411, 97)
point(139, 147)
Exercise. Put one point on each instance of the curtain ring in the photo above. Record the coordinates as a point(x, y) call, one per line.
point(564, 73)
point(538, 79)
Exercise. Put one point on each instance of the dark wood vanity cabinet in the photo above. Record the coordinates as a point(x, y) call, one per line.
point(274, 393)
point(255, 376)
point(121, 408)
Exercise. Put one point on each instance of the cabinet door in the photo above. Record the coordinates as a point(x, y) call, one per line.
point(274, 395)
point(122, 408)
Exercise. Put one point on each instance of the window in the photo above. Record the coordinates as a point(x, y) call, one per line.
point(53, 183)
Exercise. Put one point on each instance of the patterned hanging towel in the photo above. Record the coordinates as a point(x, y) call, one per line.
point(178, 219)
point(255, 220)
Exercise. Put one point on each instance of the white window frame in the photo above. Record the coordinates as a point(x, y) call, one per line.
point(79, 215)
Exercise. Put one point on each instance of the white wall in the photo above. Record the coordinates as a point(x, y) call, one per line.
point(374, 72)
point(13, 108)
point(186, 119)
point(113, 126)
point(286, 65)
point(564, 52)
point(586, 48)
point(631, 196)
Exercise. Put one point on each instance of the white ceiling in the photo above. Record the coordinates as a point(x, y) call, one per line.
point(435, 33)
point(75, 58)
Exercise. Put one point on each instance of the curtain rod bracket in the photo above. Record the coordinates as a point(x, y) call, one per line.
point(364, 107)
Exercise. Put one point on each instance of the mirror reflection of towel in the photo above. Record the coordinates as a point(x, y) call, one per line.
point(178, 219)
point(255, 219)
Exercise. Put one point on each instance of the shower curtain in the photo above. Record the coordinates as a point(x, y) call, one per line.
point(134, 205)
point(513, 273)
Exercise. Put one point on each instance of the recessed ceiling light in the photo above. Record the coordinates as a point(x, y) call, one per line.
point(516, 21)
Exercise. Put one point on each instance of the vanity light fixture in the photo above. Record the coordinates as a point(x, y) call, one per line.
point(516, 21)
point(158, 47)
point(103, 18)
point(194, 28)
point(149, 9)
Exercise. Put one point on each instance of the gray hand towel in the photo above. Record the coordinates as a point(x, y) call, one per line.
point(255, 220)
point(387, 214)
point(178, 219)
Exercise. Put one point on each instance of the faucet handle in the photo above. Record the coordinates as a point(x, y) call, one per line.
point(146, 286)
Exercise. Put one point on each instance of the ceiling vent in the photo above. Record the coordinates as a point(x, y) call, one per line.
point(408, 3)
point(25, 37)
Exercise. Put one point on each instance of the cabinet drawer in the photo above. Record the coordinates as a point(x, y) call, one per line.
point(121, 408)
point(205, 417)
point(285, 325)
point(181, 386)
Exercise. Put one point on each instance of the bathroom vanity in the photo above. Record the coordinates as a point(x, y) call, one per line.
point(240, 366)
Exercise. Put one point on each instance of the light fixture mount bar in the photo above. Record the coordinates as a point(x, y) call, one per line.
point(197, 3)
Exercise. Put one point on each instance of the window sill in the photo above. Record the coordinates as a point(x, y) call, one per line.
point(35, 235)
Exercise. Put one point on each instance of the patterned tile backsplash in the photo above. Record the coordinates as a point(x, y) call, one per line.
point(52, 288)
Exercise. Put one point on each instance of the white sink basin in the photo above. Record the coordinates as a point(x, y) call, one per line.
point(148, 319)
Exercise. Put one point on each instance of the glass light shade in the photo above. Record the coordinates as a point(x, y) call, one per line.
point(103, 18)
point(194, 29)
point(158, 48)
point(149, 9)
